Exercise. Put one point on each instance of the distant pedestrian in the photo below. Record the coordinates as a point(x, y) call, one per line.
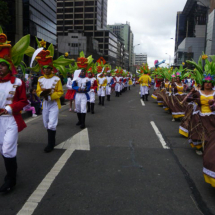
point(35, 101)
point(29, 107)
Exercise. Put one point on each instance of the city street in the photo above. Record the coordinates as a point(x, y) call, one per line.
point(119, 165)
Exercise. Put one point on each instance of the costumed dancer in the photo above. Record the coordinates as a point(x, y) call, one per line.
point(70, 94)
point(144, 81)
point(92, 92)
point(49, 88)
point(102, 83)
point(110, 82)
point(12, 100)
point(117, 83)
point(178, 108)
point(82, 85)
point(129, 81)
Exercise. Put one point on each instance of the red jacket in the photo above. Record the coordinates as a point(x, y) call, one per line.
point(18, 103)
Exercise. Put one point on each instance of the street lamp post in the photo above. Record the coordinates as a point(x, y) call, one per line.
point(133, 54)
point(169, 59)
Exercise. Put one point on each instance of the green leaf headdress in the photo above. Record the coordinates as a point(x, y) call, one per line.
point(13, 56)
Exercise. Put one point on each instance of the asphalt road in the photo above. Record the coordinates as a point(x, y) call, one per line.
point(126, 171)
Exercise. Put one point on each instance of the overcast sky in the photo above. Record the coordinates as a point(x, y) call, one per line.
point(152, 22)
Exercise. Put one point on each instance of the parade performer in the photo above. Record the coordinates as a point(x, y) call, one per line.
point(70, 94)
point(102, 83)
point(144, 81)
point(12, 100)
point(130, 83)
point(49, 87)
point(110, 82)
point(117, 83)
point(82, 85)
point(92, 93)
point(205, 99)
point(178, 108)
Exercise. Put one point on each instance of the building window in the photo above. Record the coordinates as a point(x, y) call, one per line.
point(78, 10)
point(89, 9)
point(79, 3)
point(78, 22)
point(88, 21)
point(68, 10)
point(87, 15)
point(68, 3)
point(89, 3)
point(88, 28)
point(78, 15)
point(68, 16)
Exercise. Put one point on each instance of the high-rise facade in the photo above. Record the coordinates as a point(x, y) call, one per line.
point(86, 15)
point(124, 31)
point(89, 18)
point(140, 59)
point(37, 18)
point(191, 29)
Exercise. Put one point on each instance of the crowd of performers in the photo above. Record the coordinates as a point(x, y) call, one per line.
point(189, 96)
point(88, 80)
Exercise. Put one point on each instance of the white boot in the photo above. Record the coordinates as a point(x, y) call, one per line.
point(34, 115)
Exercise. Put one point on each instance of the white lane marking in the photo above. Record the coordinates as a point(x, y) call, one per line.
point(159, 135)
point(79, 141)
point(142, 102)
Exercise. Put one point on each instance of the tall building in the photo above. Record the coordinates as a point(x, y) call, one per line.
point(37, 18)
point(89, 18)
point(191, 31)
point(124, 31)
point(85, 15)
point(140, 59)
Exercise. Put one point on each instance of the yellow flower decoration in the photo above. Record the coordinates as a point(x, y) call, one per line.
point(183, 63)
point(43, 43)
point(66, 54)
point(204, 57)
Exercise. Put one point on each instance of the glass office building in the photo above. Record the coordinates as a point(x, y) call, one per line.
point(40, 19)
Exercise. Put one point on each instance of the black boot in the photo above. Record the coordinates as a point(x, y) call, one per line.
point(51, 141)
point(108, 97)
point(88, 107)
point(143, 98)
point(129, 88)
point(147, 97)
point(92, 108)
point(10, 178)
point(116, 94)
point(103, 100)
point(83, 115)
point(100, 100)
point(79, 119)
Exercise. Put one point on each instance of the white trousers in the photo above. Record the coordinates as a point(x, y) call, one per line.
point(101, 91)
point(80, 102)
point(50, 115)
point(92, 96)
point(121, 86)
point(117, 87)
point(108, 90)
point(144, 90)
point(8, 136)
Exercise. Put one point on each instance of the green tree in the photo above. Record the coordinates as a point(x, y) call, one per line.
point(4, 13)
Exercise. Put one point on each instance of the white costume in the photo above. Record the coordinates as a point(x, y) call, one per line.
point(102, 82)
point(81, 97)
point(109, 83)
point(8, 124)
point(52, 106)
point(118, 84)
point(92, 92)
